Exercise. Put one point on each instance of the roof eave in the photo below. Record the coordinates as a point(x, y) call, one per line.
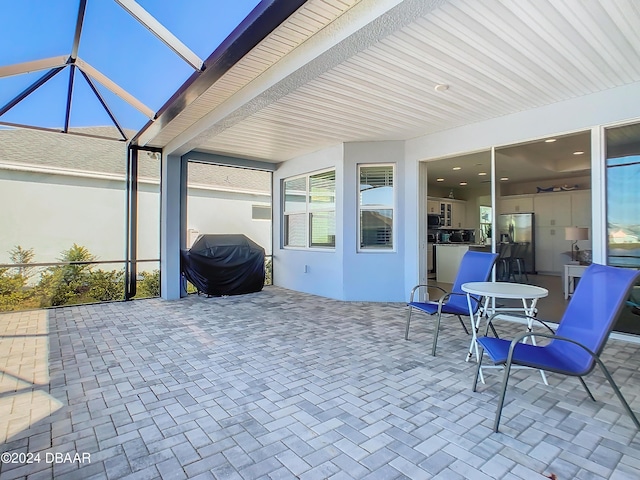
point(263, 19)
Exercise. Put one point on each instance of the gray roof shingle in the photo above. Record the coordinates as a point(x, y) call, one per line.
point(40, 149)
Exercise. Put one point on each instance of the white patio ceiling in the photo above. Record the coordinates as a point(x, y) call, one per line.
point(348, 70)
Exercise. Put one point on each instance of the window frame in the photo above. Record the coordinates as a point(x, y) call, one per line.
point(308, 212)
point(392, 207)
point(256, 207)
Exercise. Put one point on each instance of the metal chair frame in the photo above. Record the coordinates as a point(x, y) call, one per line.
point(442, 304)
point(513, 360)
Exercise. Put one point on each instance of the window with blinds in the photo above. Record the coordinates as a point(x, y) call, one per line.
point(322, 209)
point(376, 204)
point(309, 214)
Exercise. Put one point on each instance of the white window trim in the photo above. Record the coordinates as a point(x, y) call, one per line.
point(307, 212)
point(393, 208)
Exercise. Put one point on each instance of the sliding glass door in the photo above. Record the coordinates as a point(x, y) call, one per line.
point(623, 211)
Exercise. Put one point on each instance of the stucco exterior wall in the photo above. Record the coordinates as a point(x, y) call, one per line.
point(373, 275)
point(230, 213)
point(344, 273)
point(50, 212)
point(591, 112)
point(349, 275)
point(318, 271)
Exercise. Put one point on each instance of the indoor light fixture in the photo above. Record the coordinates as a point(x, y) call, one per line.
point(482, 174)
point(504, 179)
point(457, 168)
point(574, 234)
point(441, 87)
point(550, 140)
point(578, 153)
point(463, 183)
point(439, 179)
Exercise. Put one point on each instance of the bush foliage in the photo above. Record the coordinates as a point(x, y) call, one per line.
point(72, 283)
point(66, 284)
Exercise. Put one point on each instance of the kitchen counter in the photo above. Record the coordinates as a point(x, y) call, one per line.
point(448, 258)
point(467, 244)
point(480, 248)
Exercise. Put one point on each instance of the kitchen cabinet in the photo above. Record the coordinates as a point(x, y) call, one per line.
point(458, 214)
point(553, 209)
point(554, 212)
point(453, 213)
point(433, 206)
point(445, 213)
point(518, 204)
point(551, 248)
point(581, 208)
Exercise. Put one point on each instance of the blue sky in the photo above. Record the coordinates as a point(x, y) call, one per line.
point(114, 43)
point(623, 194)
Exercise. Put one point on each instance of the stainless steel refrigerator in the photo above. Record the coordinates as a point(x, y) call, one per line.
point(516, 231)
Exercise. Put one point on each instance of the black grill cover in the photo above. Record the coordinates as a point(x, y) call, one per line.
point(224, 265)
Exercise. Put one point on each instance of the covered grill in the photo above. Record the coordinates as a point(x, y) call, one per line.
point(224, 265)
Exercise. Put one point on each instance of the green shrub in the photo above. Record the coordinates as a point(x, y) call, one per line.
point(79, 283)
point(14, 292)
point(105, 286)
point(268, 272)
point(149, 285)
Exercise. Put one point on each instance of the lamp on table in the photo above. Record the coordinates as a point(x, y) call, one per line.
point(575, 234)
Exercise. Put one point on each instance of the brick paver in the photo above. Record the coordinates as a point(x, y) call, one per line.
point(280, 384)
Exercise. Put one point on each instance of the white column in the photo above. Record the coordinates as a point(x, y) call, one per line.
point(599, 230)
point(170, 227)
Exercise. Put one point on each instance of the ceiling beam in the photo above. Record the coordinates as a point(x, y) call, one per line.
point(115, 88)
point(30, 89)
point(160, 31)
point(67, 113)
point(79, 22)
point(226, 160)
point(32, 66)
point(104, 104)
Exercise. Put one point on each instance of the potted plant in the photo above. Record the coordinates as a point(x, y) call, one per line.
point(487, 234)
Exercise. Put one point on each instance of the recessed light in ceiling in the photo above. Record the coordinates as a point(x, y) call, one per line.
point(504, 179)
point(441, 87)
point(482, 174)
point(463, 183)
point(439, 179)
point(550, 140)
point(457, 168)
point(578, 153)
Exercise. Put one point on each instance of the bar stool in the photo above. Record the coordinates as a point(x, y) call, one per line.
point(517, 262)
point(503, 264)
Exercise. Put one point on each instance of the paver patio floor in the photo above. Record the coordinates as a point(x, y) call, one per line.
point(280, 384)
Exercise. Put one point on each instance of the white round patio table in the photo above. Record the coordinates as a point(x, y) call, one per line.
point(490, 291)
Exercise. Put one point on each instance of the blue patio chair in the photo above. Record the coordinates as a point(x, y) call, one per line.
point(474, 267)
point(575, 347)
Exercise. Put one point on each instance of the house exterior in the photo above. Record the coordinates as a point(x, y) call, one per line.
point(348, 103)
point(59, 190)
point(400, 84)
point(622, 237)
